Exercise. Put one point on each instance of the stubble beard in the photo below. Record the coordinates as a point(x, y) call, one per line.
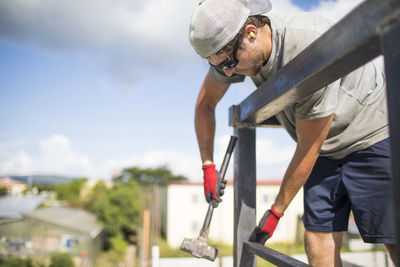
point(256, 65)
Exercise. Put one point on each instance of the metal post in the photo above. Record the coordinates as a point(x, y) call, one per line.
point(391, 51)
point(244, 195)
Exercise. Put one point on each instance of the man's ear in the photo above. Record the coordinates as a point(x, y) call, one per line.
point(250, 32)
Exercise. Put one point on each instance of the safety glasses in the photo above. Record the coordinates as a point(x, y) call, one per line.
point(231, 61)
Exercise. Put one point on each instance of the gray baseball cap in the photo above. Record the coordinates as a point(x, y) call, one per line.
point(215, 23)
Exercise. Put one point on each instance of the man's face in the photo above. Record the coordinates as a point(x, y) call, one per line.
point(250, 57)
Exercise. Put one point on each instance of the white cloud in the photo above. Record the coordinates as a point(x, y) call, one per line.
point(9, 164)
point(335, 10)
point(272, 160)
point(284, 7)
point(135, 36)
point(139, 28)
point(56, 156)
point(178, 162)
point(272, 157)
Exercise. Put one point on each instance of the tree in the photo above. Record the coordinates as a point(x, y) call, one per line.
point(98, 191)
point(160, 175)
point(71, 191)
point(117, 207)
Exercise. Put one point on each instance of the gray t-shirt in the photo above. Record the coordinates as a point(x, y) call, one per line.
point(358, 99)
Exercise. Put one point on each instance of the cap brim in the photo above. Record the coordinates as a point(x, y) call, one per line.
point(258, 7)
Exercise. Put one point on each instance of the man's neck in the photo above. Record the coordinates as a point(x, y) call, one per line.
point(267, 37)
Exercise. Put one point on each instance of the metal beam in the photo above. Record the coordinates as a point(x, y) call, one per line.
point(371, 29)
point(349, 44)
point(244, 195)
point(391, 52)
point(273, 256)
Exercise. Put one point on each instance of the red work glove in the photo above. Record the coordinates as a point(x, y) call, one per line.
point(211, 178)
point(267, 225)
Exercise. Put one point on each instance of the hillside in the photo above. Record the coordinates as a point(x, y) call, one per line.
point(43, 179)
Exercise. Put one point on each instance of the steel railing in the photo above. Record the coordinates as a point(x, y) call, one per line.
point(370, 30)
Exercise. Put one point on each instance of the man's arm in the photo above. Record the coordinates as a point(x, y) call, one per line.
point(210, 94)
point(310, 136)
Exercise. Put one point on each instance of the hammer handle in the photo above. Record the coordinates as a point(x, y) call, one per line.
point(227, 157)
point(222, 172)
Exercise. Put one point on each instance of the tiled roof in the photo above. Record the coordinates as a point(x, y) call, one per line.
point(7, 181)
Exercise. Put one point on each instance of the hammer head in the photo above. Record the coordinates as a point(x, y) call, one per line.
point(199, 249)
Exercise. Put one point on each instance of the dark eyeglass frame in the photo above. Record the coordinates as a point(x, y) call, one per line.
point(232, 60)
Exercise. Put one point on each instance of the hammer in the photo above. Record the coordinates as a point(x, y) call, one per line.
point(198, 247)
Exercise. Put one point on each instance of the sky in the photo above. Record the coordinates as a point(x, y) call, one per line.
point(89, 87)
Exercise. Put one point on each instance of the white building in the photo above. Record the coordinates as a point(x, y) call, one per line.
point(186, 210)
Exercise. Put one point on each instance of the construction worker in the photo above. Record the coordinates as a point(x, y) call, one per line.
point(342, 158)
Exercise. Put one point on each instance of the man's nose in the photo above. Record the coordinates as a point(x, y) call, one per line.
point(229, 72)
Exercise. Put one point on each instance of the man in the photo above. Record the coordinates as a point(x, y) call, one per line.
point(342, 154)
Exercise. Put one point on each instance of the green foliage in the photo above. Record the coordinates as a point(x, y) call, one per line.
point(119, 245)
point(98, 192)
point(61, 260)
point(71, 191)
point(46, 188)
point(147, 176)
point(18, 262)
point(117, 207)
point(114, 256)
point(3, 191)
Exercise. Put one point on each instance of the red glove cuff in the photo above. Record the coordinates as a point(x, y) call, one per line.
point(271, 222)
point(205, 167)
point(273, 211)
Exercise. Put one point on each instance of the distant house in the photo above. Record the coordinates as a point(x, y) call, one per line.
point(185, 209)
point(46, 230)
point(14, 187)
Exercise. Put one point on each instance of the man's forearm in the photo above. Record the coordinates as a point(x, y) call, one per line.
point(210, 94)
point(311, 135)
point(205, 131)
point(296, 175)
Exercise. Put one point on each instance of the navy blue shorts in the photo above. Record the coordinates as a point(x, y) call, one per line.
point(361, 183)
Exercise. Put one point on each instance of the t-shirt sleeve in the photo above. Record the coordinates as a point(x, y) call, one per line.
point(220, 76)
point(320, 104)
